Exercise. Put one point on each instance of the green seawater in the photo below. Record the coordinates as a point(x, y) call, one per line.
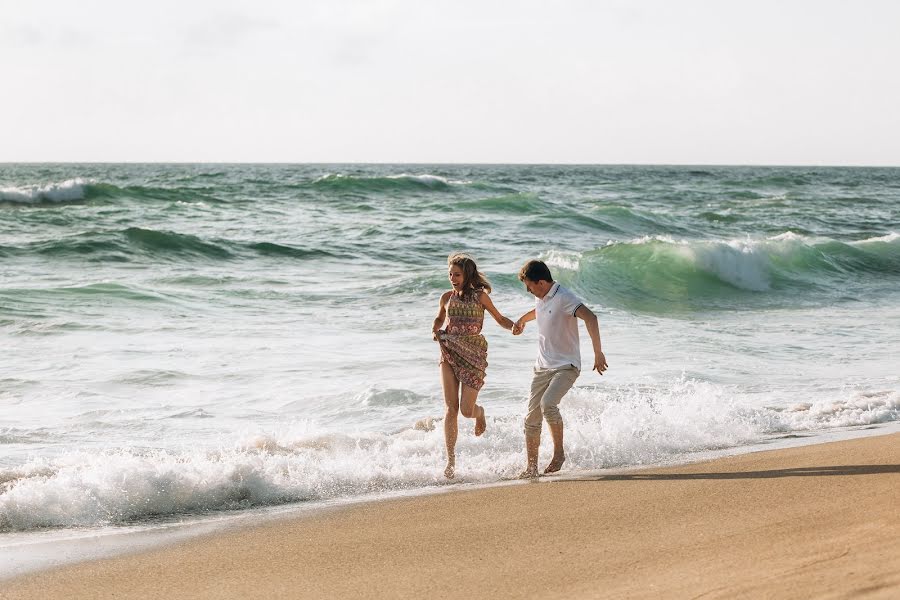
point(187, 339)
point(638, 238)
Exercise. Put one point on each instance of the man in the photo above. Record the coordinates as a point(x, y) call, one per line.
point(558, 364)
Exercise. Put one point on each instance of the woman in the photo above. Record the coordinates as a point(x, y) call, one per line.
point(463, 348)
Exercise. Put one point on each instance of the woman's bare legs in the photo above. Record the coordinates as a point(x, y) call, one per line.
point(469, 409)
point(451, 399)
point(456, 404)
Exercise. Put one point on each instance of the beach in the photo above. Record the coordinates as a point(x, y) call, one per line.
point(817, 521)
point(288, 291)
point(195, 340)
point(201, 344)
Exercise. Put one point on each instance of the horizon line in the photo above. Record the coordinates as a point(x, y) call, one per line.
point(459, 164)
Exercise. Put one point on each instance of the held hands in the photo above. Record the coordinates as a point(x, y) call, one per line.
point(600, 363)
point(519, 326)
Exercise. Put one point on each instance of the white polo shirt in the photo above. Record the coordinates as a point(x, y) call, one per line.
point(558, 344)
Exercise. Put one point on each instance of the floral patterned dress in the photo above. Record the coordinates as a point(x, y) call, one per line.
point(462, 345)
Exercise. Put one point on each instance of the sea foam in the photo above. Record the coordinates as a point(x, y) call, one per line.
point(66, 191)
point(890, 238)
point(605, 427)
point(399, 180)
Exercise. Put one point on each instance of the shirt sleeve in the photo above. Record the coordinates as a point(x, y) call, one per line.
point(570, 302)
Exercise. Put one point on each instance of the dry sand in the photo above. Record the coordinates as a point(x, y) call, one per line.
point(819, 521)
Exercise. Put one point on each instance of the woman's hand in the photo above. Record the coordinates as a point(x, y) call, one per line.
point(441, 316)
point(436, 329)
point(519, 327)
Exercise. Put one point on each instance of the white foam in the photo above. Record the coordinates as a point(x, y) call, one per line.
point(890, 238)
point(787, 236)
point(562, 259)
point(424, 179)
point(605, 427)
point(744, 263)
point(861, 408)
point(66, 191)
point(648, 239)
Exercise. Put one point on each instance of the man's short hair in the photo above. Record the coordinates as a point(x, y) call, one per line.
point(535, 270)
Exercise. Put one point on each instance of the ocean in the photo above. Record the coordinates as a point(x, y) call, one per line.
point(186, 341)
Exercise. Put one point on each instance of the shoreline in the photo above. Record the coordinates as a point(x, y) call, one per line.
point(771, 522)
point(41, 550)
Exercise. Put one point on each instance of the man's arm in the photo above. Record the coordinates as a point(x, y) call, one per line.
point(593, 327)
point(519, 325)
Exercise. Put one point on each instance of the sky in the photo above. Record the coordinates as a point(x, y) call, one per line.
point(417, 81)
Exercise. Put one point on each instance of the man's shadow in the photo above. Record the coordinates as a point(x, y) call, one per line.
point(798, 472)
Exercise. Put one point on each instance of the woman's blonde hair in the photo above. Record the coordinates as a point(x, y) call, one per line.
point(473, 279)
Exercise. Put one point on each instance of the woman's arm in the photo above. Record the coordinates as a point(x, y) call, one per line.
point(488, 304)
point(441, 316)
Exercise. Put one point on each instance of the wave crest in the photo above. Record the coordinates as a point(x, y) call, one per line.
point(399, 182)
point(65, 191)
point(136, 242)
point(81, 190)
point(659, 272)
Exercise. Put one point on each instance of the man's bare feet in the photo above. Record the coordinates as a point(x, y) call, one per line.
point(450, 471)
point(480, 422)
point(555, 464)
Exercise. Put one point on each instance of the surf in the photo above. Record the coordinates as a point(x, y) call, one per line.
point(70, 190)
point(610, 427)
point(81, 190)
point(696, 274)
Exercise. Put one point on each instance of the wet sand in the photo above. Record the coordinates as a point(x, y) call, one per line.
point(819, 521)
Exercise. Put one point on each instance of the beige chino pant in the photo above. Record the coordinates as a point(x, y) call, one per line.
point(547, 390)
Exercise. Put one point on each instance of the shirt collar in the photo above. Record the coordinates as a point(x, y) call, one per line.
point(551, 293)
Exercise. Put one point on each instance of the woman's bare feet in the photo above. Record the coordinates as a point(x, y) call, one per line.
point(529, 473)
point(480, 422)
point(450, 471)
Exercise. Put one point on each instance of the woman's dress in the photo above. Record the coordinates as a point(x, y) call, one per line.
point(462, 345)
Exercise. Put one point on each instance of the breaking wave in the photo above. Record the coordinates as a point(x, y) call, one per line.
point(715, 273)
point(85, 190)
point(610, 427)
point(400, 182)
point(66, 191)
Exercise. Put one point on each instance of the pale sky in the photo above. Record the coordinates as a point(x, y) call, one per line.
point(558, 81)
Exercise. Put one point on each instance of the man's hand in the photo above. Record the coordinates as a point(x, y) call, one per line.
point(518, 327)
point(600, 363)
